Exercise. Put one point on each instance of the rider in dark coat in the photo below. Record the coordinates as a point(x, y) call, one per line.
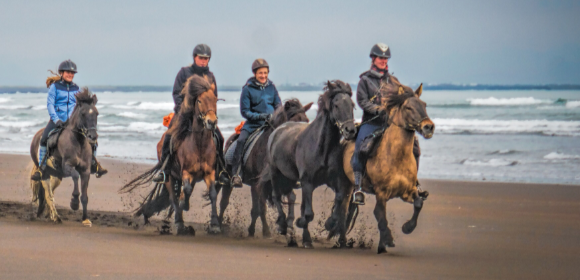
point(60, 103)
point(368, 98)
point(201, 57)
point(258, 101)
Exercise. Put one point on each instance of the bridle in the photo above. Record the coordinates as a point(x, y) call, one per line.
point(201, 116)
point(341, 125)
point(409, 126)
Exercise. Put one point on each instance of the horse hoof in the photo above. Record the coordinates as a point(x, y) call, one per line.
point(184, 205)
point(215, 230)
point(381, 250)
point(409, 227)
point(391, 244)
point(182, 230)
point(292, 243)
point(251, 233)
point(330, 224)
point(74, 204)
point(266, 234)
point(282, 230)
point(57, 220)
point(87, 223)
point(301, 223)
point(308, 245)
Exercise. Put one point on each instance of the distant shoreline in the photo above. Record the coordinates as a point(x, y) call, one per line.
point(301, 87)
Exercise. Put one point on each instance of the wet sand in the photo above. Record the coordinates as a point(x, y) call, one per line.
point(467, 230)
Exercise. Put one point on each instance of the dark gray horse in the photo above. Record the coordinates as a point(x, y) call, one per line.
point(71, 157)
point(300, 152)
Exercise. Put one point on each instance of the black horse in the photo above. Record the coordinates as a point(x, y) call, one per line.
point(304, 153)
point(292, 111)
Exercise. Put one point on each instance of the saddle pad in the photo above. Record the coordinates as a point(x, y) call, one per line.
point(247, 148)
point(53, 138)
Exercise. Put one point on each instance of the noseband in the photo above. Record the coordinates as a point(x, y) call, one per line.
point(202, 115)
point(83, 131)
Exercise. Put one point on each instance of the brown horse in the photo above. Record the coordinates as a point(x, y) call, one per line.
point(392, 172)
point(193, 153)
point(71, 157)
point(292, 111)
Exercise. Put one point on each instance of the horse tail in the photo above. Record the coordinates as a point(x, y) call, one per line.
point(156, 201)
point(352, 216)
point(142, 179)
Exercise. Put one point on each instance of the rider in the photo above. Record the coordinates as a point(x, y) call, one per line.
point(201, 57)
point(61, 102)
point(368, 98)
point(258, 101)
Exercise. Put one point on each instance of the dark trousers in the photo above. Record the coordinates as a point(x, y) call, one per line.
point(49, 127)
point(238, 157)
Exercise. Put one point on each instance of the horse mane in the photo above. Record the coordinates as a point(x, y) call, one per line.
point(193, 88)
point(396, 100)
point(331, 89)
point(284, 113)
point(52, 79)
point(83, 97)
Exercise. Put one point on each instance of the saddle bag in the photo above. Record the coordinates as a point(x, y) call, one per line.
point(369, 143)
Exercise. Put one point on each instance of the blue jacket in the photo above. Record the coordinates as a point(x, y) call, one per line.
point(61, 100)
point(257, 99)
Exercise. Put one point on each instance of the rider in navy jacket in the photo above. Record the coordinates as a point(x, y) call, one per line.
point(60, 103)
point(258, 101)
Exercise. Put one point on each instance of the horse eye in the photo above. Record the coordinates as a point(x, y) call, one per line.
point(199, 101)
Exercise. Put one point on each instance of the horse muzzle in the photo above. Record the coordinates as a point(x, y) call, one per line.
point(427, 128)
point(348, 132)
point(210, 124)
point(92, 138)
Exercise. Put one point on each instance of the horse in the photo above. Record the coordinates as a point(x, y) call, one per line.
point(392, 172)
point(292, 111)
point(300, 152)
point(71, 157)
point(193, 156)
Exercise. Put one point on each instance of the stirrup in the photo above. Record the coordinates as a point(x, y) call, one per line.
point(160, 178)
point(358, 197)
point(35, 177)
point(237, 181)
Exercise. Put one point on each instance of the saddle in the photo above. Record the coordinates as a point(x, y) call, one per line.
point(53, 137)
point(368, 146)
point(252, 139)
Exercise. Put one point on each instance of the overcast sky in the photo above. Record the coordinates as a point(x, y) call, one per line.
point(146, 42)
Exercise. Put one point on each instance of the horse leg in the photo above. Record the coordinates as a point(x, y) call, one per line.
point(41, 201)
point(49, 197)
point(225, 200)
point(178, 216)
point(85, 176)
point(291, 235)
point(386, 238)
point(255, 212)
point(74, 201)
point(410, 225)
point(214, 226)
point(263, 211)
point(281, 220)
point(187, 190)
point(307, 213)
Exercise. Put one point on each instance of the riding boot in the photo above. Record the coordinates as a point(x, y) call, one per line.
point(221, 171)
point(37, 176)
point(358, 196)
point(237, 178)
point(96, 167)
point(163, 175)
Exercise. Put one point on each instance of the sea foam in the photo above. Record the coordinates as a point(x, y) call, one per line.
point(517, 101)
point(454, 126)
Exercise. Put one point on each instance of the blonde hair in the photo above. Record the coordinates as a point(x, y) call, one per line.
point(52, 79)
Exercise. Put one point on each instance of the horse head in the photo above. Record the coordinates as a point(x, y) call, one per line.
point(292, 111)
point(200, 99)
point(83, 120)
point(337, 102)
point(407, 111)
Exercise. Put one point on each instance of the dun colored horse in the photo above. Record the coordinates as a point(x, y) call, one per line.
point(71, 157)
point(292, 111)
point(299, 152)
point(392, 172)
point(193, 156)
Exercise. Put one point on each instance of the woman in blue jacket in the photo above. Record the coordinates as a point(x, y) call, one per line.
point(258, 101)
point(60, 103)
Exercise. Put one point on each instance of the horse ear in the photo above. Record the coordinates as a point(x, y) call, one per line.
point(213, 87)
point(307, 106)
point(419, 90)
point(401, 90)
point(330, 85)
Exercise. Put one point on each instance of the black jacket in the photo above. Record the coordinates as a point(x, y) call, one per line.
point(368, 95)
point(180, 80)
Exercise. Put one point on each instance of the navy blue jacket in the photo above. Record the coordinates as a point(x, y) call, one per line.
point(61, 100)
point(257, 99)
point(180, 80)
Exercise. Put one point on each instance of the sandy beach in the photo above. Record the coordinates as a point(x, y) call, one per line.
point(467, 230)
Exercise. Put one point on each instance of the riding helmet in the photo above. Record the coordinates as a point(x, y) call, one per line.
point(381, 50)
point(259, 63)
point(202, 50)
point(67, 65)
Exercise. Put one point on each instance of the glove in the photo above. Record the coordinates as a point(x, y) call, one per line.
point(265, 117)
point(59, 124)
point(381, 112)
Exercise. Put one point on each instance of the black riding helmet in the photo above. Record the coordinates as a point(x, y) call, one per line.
point(67, 65)
point(202, 50)
point(259, 63)
point(381, 50)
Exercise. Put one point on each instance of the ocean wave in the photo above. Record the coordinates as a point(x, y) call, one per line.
point(492, 162)
point(557, 156)
point(165, 106)
point(4, 99)
point(503, 152)
point(131, 115)
point(573, 104)
point(20, 124)
point(16, 107)
point(517, 101)
point(227, 106)
point(545, 127)
point(134, 127)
